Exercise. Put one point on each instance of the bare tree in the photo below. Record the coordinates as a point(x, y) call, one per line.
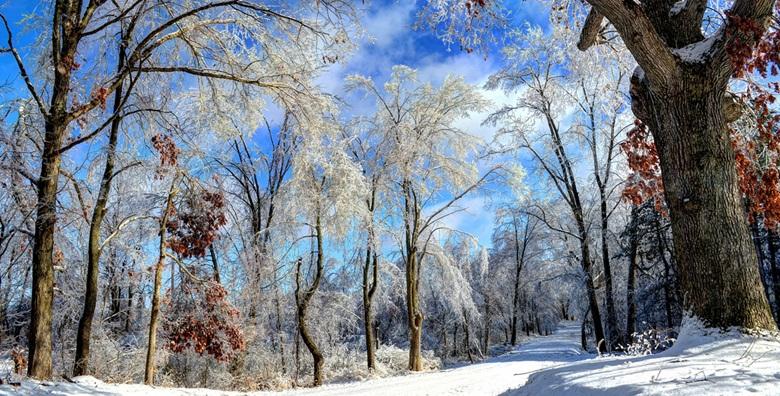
point(167, 39)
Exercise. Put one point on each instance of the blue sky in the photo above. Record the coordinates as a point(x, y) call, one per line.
point(390, 40)
point(393, 40)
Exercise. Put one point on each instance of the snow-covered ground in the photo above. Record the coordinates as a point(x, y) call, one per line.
point(700, 363)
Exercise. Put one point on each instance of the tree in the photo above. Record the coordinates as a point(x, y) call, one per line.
point(165, 39)
point(257, 177)
point(151, 350)
point(325, 196)
point(368, 149)
point(680, 85)
point(516, 230)
point(428, 157)
point(532, 64)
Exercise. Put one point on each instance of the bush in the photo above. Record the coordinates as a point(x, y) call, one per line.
point(651, 341)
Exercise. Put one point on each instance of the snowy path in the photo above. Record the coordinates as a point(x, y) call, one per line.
point(491, 377)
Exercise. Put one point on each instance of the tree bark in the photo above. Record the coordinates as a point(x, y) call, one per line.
point(369, 288)
point(414, 313)
point(774, 246)
point(519, 262)
point(681, 99)
point(632, 267)
point(39, 340)
point(370, 284)
point(151, 350)
point(302, 304)
point(467, 341)
point(720, 281)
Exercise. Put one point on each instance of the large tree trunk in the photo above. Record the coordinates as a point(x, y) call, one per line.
point(39, 340)
point(65, 41)
point(414, 313)
point(681, 98)
point(718, 268)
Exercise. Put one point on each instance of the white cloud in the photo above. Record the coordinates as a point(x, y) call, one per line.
point(476, 218)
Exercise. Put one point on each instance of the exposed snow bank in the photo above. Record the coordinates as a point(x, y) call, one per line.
point(702, 362)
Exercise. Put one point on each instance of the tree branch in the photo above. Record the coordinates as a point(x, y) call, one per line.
point(642, 40)
point(22, 69)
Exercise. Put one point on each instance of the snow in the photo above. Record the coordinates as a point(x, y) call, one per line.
point(677, 7)
point(698, 51)
point(703, 361)
point(639, 73)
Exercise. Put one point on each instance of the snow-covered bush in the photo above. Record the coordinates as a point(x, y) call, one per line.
point(396, 360)
point(119, 360)
point(651, 341)
point(191, 369)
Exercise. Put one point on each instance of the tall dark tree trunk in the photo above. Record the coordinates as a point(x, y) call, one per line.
point(632, 267)
point(774, 247)
point(682, 100)
point(467, 341)
point(720, 280)
point(519, 262)
point(39, 340)
point(602, 179)
point(612, 323)
point(593, 303)
point(65, 39)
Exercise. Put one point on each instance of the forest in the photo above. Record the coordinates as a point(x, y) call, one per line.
point(252, 196)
